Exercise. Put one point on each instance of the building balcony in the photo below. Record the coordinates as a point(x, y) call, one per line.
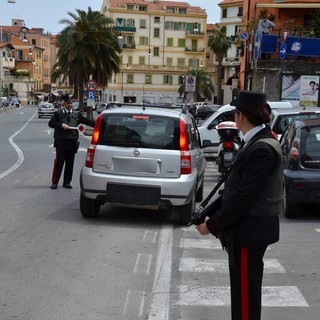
point(194, 34)
point(128, 46)
point(194, 50)
point(125, 29)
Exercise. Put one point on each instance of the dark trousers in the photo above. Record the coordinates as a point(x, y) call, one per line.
point(246, 283)
point(64, 157)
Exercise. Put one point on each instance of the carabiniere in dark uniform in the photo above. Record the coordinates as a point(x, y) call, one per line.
point(66, 141)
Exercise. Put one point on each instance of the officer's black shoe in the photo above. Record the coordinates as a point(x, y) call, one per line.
point(54, 186)
point(67, 185)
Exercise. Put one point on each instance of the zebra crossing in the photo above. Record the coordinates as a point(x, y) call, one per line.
point(204, 273)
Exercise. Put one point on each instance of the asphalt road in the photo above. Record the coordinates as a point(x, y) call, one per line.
point(127, 264)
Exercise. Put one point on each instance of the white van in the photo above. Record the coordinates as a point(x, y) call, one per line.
point(208, 129)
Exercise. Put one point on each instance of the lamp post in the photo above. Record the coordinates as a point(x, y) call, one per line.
point(24, 30)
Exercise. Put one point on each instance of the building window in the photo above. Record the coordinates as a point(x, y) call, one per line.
point(167, 79)
point(181, 43)
point(170, 10)
point(142, 61)
point(224, 13)
point(143, 8)
point(169, 42)
point(169, 62)
point(182, 11)
point(156, 32)
point(180, 79)
point(240, 11)
point(131, 23)
point(129, 78)
point(148, 79)
point(130, 7)
point(143, 24)
point(130, 59)
point(181, 62)
point(156, 20)
point(156, 51)
point(143, 41)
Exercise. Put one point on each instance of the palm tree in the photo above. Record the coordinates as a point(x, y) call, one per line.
point(88, 46)
point(203, 88)
point(219, 44)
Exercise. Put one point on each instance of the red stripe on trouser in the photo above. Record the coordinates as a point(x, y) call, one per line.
point(244, 284)
point(55, 164)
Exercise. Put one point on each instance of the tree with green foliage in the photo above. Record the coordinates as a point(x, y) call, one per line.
point(87, 47)
point(219, 43)
point(312, 25)
point(204, 88)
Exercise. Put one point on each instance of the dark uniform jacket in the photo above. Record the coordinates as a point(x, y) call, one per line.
point(252, 197)
point(71, 136)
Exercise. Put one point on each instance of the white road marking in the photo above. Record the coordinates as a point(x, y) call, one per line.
point(221, 265)
point(195, 243)
point(159, 309)
point(143, 263)
point(18, 150)
point(134, 303)
point(286, 296)
point(150, 236)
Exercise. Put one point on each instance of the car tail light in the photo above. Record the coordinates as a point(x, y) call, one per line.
point(228, 144)
point(94, 140)
point(294, 152)
point(185, 154)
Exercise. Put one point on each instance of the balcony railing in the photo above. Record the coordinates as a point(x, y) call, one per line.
point(191, 49)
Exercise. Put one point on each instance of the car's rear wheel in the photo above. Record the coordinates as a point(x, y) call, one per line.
point(89, 208)
point(290, 211)
point(187, 211)
point(199, 194)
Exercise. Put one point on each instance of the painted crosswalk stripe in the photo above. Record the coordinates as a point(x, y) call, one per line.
point(195, 243)
point(285, 296)
point(221, 265)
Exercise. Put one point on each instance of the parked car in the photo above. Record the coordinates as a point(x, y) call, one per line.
point(146, 158)
point(209, 133)
point(300, 144)
point(206, 111)
point(15, 102)
point(280, 118)
point(45, 109)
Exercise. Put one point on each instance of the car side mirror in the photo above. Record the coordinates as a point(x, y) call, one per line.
point(206, 143)
point(211, 126)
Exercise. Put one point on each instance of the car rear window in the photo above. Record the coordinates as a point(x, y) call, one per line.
point(310, 147)
point(145, 131)
point(284, 120)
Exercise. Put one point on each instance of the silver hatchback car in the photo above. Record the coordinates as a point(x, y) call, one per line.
point(144, 158)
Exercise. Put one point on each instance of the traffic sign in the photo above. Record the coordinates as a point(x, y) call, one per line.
point(244, 36)
point(91, 95)
point(91, 85)
point(283, 51)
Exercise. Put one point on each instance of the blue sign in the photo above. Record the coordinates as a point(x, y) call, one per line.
point(244, 36)
point(283, 51)
point(90, 95)
point(303, 46)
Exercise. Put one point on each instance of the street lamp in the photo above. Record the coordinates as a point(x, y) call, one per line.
point(24, 30)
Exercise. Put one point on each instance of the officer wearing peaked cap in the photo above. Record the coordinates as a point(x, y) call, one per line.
point(66, 141)
point(251, 203)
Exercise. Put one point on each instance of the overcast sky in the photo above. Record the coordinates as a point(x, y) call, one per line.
point(47, 14)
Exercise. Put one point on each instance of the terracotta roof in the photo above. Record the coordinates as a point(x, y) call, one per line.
point(158, 5)
point(6, 44)
point(212, 26)
point(225, 2)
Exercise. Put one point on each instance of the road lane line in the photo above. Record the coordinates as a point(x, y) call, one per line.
point(134, 304)
point(196, 243)
point(159, 309)
point(143, 263)
point(222, 266)
point(150, 236)
point(285, 296)
point(18, 150)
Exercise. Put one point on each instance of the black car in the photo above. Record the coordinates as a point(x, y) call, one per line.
point(300, 144)
point(204, 112)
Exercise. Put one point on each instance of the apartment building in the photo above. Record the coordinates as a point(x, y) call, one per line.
point(30, 54)
point(161, 41)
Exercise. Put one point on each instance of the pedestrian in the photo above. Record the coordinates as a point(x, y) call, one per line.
point(66, 141)
point(251, 202)
point(266, 25)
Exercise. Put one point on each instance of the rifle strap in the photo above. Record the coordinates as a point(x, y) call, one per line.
point(214, 190)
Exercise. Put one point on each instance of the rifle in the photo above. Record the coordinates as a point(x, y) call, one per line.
point(206, 210)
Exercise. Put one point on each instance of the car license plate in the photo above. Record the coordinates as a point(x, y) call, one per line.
point(227, 156)
point(133, 194)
